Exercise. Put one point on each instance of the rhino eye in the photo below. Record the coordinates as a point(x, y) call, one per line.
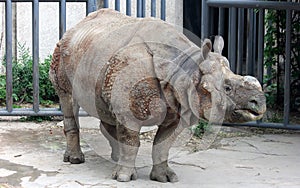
point(227, 88)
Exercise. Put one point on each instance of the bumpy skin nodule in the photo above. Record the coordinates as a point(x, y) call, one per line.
point(133, 72)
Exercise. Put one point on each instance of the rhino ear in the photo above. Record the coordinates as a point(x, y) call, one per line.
point(206, 48)
point(218, 44)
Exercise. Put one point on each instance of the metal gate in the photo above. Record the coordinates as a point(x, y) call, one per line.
point(236, 9)
point(255, 11)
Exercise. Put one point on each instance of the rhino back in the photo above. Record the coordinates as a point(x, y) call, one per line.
point(96, 50)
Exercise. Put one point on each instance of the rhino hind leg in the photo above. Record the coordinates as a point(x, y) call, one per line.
point(70, 108)
point(110, 133)
point(163, 141)
point(129, 143)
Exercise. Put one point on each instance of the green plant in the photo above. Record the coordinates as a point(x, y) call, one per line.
point(23, 79)
point(274, 52)
point(270, 92)
point(199, 129)
point(274, 117)
point(37, 118)
point(2, 89)
point(22, 76)
point(47, 92)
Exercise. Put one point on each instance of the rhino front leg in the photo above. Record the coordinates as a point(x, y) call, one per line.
point(110, 133)
point(163, 141)
point(70, 109)
point(129, 143)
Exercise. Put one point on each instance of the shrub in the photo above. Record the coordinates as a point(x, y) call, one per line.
point(23, 78)
point(2, 89)
point(199, 129)
point(275, 57)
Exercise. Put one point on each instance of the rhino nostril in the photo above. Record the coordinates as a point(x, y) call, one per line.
point(253, 102)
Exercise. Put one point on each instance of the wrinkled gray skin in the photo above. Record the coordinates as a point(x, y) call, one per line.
point(133, 72)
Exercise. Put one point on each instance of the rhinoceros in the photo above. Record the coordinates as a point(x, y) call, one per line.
point(133, 72)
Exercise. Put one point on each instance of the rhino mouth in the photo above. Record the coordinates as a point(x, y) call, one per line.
point(244, 115)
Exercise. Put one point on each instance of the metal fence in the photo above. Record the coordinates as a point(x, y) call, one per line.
point(35, 110)
point(237, 9)
point(255, 10)
point(91, 5)
point(140, 7)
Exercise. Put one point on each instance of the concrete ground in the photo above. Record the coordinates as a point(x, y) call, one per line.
point(31, 156)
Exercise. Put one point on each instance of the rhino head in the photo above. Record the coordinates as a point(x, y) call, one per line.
point(233, 98)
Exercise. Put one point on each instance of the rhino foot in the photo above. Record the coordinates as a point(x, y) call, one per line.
point(163, 173)
point(75, 158)
point(124, 174)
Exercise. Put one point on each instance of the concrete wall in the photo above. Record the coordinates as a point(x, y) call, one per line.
point(49, 20)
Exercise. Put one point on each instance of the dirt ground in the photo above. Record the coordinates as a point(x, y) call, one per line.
point(31, 156)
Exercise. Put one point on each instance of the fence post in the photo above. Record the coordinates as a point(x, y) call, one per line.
point(249, 61)
point(239, 67)
point(8, 52)
point(204, 20)
point(91, 6)
point(139, 8)
point(153, 8)
point(221, 22)
point(287, 68)
point(117, 5)
point(35, 43)
point(106, 4)
point(163, 10)
point(232, 39)
point(62, 18)
point(260, 53)
point(128, 7)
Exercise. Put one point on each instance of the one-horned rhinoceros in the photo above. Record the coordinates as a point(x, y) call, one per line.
point(134, 72)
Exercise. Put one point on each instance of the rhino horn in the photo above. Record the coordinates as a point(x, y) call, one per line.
point(252, 81)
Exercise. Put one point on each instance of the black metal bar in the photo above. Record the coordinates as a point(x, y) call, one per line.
point(265, 125)
point(91, 6)
point(204, 20)
point(62, 18)
point(260, 52)
point(153, 8)
point(287, 68)
point(249, 55)
point(8, 52)
point(117, 5)
point(41, 112)
point(143, 8)
point(35, 52)
point(139, 8)
point(221, 22)
point(254, 4)
point(128, 7)
point(71, 1)
point(212, 19)
point(106, 4)
point(254, 64)
point(163, 9)
point(240, 44)
point(232, 38)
